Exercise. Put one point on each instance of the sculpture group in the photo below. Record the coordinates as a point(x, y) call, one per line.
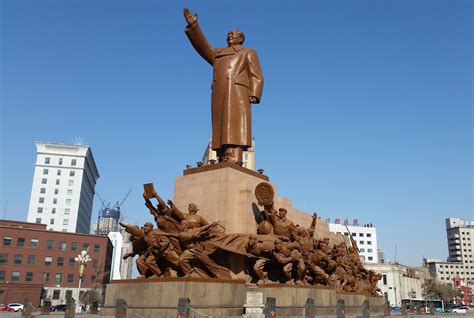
point(187, 245)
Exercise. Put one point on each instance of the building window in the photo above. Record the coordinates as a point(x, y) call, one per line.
point(74, 246)
point(57, 181)
point(50, 244)
point(70, 183)
point(58, 278)
point(33, 243)
point(29, 277)
point(45, 171)
point(56, 293)
point(85, 247)
point(361, 234)
point(369, 235)
point(369, 242)
point(60, 261)
point(41, 200)
point(46, 277)
point(48, 260)
point(67, 211)
point(361, 242)
point(70, 278)
point(3, 258)
point(47, 160)
point(68, 201)
point(370, 258)
point(369, 250)
point(51, 221)
point(96, 248)
point(384, 278)
point(15, 276)
point(58, 173)
point(18, 259)
point(43, 190)
point(53, 211)
point(60, 161)
point(7, 241)
point(55, 201)
point(38, 220)
point(72, 173)
point(362, 250)
point(93, 279)
point(2, 276)
point(72, 262)
point(39, 210)
point(44, 181)
point(56, 191)
point(69, 191)
point(73, 162)
point(62, 246)
point(31, 259)
point(20, 242)
point(65, 222)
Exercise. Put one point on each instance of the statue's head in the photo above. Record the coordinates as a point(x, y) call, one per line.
point(253, 239)
point(147, 227)
point(235, 37)
point(282, 212)
point(192, 208)
point(278, 244)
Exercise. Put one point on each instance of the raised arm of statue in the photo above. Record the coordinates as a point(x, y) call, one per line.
point(313, 222)
point(197, 38)
point(177, 212)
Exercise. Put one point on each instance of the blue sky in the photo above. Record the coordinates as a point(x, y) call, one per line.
point(366, 111)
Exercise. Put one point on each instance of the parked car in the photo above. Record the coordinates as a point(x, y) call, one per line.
point(60, 307)
point(5, 308)
point(15, 306)
point(395, 309)
point(459, 310)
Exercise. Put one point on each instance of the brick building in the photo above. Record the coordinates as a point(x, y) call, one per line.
point(33, 258)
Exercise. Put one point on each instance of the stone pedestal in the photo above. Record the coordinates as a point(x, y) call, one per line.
point(226, 192)
point(151, 298)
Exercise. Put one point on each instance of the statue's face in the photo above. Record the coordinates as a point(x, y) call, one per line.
point(192, 209)
point(148, 228)
point(234, 38)
point(278, 245)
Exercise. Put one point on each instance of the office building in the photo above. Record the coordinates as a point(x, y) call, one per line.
point(63, 187)
point(460, 263)
point(364, 235)
point(33, 258)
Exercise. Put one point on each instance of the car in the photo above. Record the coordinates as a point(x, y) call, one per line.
point(7, 309)
point(395, 309)
point(60, 307)
point(15, 306)
point(459, 310)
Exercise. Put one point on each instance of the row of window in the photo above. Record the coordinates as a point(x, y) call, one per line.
point(67, 211)
point(55, 200)
point(72, 173)
point(48, 260)
point(58, 182)
point(47, 161)
point(362, 250)
point(355, 234)
point(451, 266)
point(34, 243)
point(56, 191)
point(457, 273)
point(65, 222)
point(58, 277)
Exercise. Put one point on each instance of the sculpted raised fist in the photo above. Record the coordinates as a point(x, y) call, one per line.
point(190, 18)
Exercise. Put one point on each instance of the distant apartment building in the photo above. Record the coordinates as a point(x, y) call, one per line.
point(398, 281)
point(63, 187)
point(460, 263)
point(248, 156)
point(33, 259)
point(364, 235)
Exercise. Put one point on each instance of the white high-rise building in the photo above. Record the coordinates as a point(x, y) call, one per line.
point(63, 187)
point(365, 237)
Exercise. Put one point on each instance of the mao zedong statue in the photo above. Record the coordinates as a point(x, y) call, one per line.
point(237, 83)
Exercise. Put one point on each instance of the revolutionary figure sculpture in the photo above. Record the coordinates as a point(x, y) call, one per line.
point(237, 83)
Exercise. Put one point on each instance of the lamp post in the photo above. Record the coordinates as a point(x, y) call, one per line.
point(82, 259)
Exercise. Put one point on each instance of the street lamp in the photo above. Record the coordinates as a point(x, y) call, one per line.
point(82, 259)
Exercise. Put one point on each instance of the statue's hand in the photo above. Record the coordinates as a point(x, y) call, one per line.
point(253, 100)
point(190, 18)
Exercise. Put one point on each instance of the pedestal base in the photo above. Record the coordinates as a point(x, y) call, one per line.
point(153, 298)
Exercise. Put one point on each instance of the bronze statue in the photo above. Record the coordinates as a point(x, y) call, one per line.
point(237, 83)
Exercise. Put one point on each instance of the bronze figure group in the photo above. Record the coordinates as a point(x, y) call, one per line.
point(187, 245)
